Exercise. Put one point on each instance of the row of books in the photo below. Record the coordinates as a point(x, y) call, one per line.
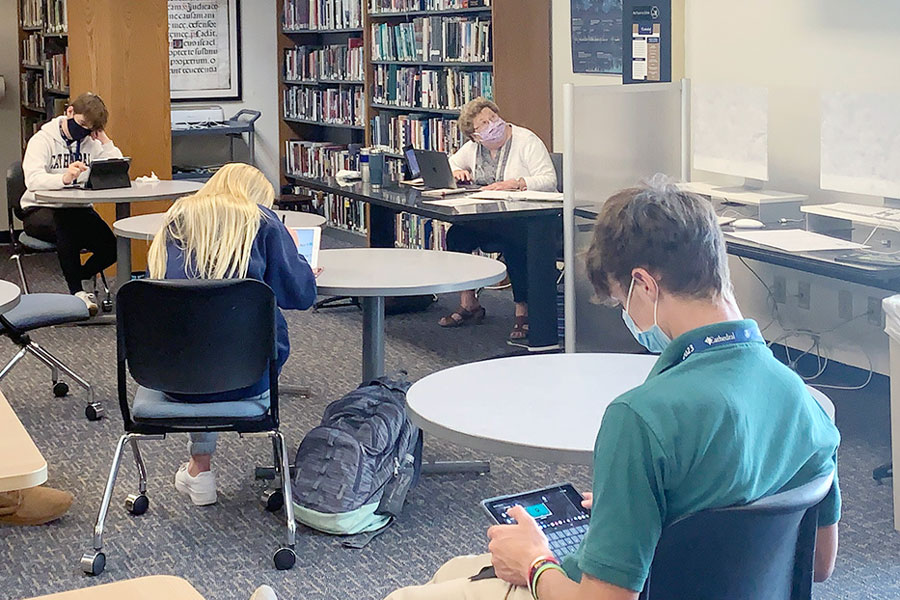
point(322, 14)
point(392, 6)
point(344, 213)
point(318, 159)
point(30, 126)
point(433, 39)
point(57, 71)
point(341, 106)
point(32, 13)
point(421, 131)
point(414, 231)
point(57, 19)
point(33, 89)
point(414, 87)
point(308, 63)
point(33, 49)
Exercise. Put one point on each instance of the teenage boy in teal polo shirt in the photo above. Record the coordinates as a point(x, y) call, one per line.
point(718, 422)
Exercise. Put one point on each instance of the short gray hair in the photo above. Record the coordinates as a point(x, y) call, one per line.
point(470, 111)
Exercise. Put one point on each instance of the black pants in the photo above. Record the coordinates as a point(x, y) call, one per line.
point(74, 230)
point(505, 237)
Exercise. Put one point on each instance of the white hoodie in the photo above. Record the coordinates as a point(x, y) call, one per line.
point(49, 154)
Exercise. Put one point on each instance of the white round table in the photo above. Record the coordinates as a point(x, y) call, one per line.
point(9, 295)
point(122, 198)
point(542, 407)
point(144, 227)
point(373, 273)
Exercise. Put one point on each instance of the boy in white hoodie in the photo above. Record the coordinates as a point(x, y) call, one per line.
point(58, 155)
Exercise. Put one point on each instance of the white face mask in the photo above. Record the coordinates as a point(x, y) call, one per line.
point(654, 339)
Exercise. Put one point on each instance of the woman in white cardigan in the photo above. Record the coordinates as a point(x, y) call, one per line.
point(498, 156)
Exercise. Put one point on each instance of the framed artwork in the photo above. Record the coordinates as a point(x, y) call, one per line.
point(204, 50)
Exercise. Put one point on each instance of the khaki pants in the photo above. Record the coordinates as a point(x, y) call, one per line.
point(451, 582)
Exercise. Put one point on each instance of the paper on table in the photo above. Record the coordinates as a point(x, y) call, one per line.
point(519, 195)
point(795, 240)
point(465, 200)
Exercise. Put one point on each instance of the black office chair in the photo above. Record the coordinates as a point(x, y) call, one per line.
point(557, 159)
point(761, 551)
point(194, 337)
point(27, 243)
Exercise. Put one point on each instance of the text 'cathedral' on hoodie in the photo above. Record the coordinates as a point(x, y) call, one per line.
point(49, 155)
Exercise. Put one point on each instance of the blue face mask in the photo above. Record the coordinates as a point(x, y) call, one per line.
point(654, 339)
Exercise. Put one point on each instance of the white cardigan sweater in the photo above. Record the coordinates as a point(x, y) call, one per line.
point(528, 159)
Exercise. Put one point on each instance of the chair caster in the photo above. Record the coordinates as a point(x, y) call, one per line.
point(137, 504)
point(94, 411)
point(93, 563)
point(273, 500)
point(107, 305)
point(284, 559)
point(60, 389)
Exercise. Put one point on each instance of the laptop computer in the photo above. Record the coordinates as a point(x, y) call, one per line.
point(107, 174)
point(434, 168)
point(557, 510)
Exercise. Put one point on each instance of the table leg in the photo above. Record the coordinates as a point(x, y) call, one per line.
point(542, 275)
point(373, 338)
point(123, 248)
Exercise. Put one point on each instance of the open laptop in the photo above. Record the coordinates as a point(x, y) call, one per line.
point(434, 169)
point(107, 174)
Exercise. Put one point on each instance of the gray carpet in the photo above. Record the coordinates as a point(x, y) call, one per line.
point(225, 550)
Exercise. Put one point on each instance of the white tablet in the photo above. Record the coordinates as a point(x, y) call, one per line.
point(307, 240)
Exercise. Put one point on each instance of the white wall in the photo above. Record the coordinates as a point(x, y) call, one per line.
point(10, 124)
point(259, 44)
point(797, 50)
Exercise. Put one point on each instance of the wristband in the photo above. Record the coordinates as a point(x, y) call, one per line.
point(538, 567)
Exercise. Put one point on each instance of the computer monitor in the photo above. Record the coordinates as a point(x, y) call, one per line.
point(860, 144)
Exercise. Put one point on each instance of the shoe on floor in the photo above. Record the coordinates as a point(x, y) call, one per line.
point(264, 592)
point(89, 301)
point(201, 489)
point(34, 506)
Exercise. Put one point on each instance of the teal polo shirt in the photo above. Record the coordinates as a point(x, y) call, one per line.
point(713, 428)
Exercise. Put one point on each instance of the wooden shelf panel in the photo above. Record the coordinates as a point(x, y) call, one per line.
point(416, 109)
point(428, 13)
point(321, 82)
point(320, 31)
point(417, 63)
point(322, 124)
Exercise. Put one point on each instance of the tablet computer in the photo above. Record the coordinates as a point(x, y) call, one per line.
point(307, 240)
point(557, 510)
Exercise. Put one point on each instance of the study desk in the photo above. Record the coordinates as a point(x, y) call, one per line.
point(541, 221)
point(541, 407)
point(373, 273)
point(144, 227)
point(122, 198)
point(156, 587)
point(21, 463)
point(9, 295)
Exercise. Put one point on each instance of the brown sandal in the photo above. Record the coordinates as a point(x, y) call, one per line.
point(461, 316)
point(520, 329)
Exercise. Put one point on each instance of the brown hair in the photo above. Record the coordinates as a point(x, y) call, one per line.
point(470, 111)
point(672, 234)
point(92, 108)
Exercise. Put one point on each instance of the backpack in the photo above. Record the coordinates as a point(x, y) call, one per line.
point(354, 470)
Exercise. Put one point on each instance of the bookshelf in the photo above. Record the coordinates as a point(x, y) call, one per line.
point(43, 61)
point(422, 60)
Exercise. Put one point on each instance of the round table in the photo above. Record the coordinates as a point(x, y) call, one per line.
point(144, 227)
point(122, 198)
point(541, 407)
point(9, 296)
point(373, 273)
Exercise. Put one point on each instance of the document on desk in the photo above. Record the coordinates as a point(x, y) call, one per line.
point(532, 196)
point(795, 240)
point(454, 202)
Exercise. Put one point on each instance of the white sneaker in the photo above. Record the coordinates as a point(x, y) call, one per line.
point(264, 592)
point(90, 302)
point(201, 489)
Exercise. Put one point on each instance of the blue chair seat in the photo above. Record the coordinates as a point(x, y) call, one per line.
point(150, 405)
point(32, 243)
point(43, 310)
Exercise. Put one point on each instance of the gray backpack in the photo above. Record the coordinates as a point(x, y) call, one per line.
point(354, 470)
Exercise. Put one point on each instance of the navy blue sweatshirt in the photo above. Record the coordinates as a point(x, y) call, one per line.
point(274, 260)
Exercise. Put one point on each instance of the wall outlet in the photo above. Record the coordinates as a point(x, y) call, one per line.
point(803, 292)
point(845, 305)
point(873, 313)
point(779, 290)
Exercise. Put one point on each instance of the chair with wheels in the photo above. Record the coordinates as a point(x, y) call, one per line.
point(36, 311)
point(761, 551)
point(194, 337)
point(30, 242)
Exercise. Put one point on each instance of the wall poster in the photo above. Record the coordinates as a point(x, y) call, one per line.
point(597, 36)
point(204, 50)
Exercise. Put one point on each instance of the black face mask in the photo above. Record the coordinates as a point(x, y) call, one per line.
point(76, 131)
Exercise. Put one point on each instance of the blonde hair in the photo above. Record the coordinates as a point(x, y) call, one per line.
point(240, 179)
point(471, 110)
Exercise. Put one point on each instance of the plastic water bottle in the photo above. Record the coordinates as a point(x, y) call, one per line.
point(364, 166)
